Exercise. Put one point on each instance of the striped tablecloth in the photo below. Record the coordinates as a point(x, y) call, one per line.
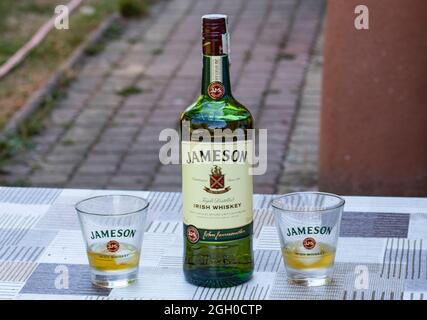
point(381, 252)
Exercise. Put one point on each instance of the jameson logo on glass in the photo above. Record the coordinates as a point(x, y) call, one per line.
point(216, 181)
point(119, 233)
point(308, 224)
point(308, 230)
point(113, 227)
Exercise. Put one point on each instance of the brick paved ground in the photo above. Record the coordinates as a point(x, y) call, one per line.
point(96, 138)
point(300, 165)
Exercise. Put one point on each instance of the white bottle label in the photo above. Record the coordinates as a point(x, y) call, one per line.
point(216, 69)
point(217, 190)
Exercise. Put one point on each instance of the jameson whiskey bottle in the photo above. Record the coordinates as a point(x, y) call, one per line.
point(216, 184)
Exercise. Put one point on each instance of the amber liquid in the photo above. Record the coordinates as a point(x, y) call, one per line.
point(126, 257)
point(297, 258)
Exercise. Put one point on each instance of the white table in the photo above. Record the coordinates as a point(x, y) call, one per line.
point(381, 252)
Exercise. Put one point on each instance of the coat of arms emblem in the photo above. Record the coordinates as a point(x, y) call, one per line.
point(217, 181)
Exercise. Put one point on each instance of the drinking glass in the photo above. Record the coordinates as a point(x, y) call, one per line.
point(308, 224)
point(113, 228)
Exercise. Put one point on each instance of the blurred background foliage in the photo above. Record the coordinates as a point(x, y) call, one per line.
point(19, 20)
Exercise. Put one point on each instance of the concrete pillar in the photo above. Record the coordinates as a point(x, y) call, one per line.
point(374, 106)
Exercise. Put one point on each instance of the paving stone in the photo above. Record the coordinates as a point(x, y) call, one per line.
point(15, 169)
point(167, 179)
point(119, 131)
point(126, 185)
point(80, 134)
point(109, 147)
point(107, 158)
point(91, 181)
point(166, 188)
point(86, 83)
point(116, 84)
point(54, 168)
point(143, 168)
point(131, 180)
point(75, 98)
point(300, 165)
point(264, 188)
point(60, 157)
point(48, 179)
point(128, 121)
point(63, 115)
point(134, 158)
point(70, 149)
point(102, 98)
point(97, 168)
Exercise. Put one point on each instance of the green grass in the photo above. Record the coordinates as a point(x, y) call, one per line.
point(34, 124)
point(19, 20)
point(27, 77)
point(113, 32)
point(132, 8)
point(128, 91)
point(157, 51)
point(67, 125)
point(17, 183)
point(286, 56)
point(38, 7)
point(8, 47)
point(9, 146)
point(59, 41)
point(95, 48)
point(68, 142)
point(14, 142)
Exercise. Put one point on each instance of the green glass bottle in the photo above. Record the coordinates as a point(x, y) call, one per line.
point(216, 182)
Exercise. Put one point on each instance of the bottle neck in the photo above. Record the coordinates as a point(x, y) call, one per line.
point(216, 77)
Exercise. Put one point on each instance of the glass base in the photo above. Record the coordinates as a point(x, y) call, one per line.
point(114, 279)
point(310, 282)
point(213, 281)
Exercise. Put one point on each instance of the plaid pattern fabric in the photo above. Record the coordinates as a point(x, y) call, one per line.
point(381, 252)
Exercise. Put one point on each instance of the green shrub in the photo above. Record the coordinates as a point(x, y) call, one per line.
point(132, 8)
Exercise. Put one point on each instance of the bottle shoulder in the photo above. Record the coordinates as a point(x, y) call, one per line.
point(205, 109)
